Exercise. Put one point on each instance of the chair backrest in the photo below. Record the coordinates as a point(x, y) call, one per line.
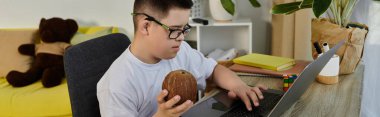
point(85, 64)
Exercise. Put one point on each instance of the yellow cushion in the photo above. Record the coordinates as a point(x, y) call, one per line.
point(87, 33)
point(94, 29)
point(34, 100)
point(10, 40)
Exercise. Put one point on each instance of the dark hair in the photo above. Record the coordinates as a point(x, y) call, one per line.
point(159, 7)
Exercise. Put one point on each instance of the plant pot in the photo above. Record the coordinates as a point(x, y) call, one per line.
point(218, 12)
point(351, 52)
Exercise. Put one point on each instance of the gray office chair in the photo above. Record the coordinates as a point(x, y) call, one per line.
point(85, 64)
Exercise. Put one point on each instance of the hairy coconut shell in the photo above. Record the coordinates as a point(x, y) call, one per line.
point(182, 83)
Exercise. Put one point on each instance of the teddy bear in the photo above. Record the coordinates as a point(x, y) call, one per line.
point(47, 65)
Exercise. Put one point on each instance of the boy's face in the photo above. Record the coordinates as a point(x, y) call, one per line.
point(161, 46)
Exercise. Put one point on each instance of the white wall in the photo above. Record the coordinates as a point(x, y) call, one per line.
point(261, 23)
point(27, 13)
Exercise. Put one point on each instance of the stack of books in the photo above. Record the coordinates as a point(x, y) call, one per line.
point(261, 65)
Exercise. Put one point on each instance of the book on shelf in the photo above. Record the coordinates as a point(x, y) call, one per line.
point(265, 61)
point(296, 69)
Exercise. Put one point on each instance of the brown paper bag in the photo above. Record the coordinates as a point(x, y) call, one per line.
point(351, 52)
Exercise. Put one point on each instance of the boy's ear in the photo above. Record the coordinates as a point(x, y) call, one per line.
point(144, 27)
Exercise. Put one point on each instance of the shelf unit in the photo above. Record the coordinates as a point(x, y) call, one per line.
point(224, 35)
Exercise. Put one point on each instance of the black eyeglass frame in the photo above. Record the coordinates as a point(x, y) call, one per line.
point(185, 31)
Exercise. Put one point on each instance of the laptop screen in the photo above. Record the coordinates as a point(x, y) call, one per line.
point(216, 105)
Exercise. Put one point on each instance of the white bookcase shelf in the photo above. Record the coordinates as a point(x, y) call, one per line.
point(224, 35)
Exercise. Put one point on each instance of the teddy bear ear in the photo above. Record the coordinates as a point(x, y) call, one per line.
point(72, 25)
point(42, 22)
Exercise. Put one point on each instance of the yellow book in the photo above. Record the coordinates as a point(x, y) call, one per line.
point(265, 61)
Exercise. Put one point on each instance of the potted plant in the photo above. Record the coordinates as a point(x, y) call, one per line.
point(223, 10)
point(333, 29)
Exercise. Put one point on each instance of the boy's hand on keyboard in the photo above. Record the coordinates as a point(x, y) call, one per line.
point(246, 93)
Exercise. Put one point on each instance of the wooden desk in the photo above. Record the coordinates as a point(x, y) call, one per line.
point(320, 100)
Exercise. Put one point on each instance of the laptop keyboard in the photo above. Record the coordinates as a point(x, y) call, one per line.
point(266, 105)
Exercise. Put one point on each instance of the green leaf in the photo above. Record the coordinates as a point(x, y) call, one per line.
point(229, 6)
point(289, 8)
point(303, 7)
point(285, 8)
point(306, 3)
point(320, 7)
point(254, 3)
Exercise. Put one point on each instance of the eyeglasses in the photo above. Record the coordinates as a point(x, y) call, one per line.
point(173, 33)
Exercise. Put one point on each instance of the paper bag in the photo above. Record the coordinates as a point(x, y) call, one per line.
point(351, 52)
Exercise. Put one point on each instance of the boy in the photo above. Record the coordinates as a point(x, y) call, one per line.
point(132, 85)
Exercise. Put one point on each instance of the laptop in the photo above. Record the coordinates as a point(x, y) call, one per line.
point(275, 102)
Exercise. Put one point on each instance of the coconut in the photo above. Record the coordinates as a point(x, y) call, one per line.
point(182, 83)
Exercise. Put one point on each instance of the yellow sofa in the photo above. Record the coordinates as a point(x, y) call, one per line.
point(34, 99)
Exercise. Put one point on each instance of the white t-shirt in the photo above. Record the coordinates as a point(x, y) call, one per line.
point(130, 87)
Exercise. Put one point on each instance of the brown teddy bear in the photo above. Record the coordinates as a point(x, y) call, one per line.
point(55, 34)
